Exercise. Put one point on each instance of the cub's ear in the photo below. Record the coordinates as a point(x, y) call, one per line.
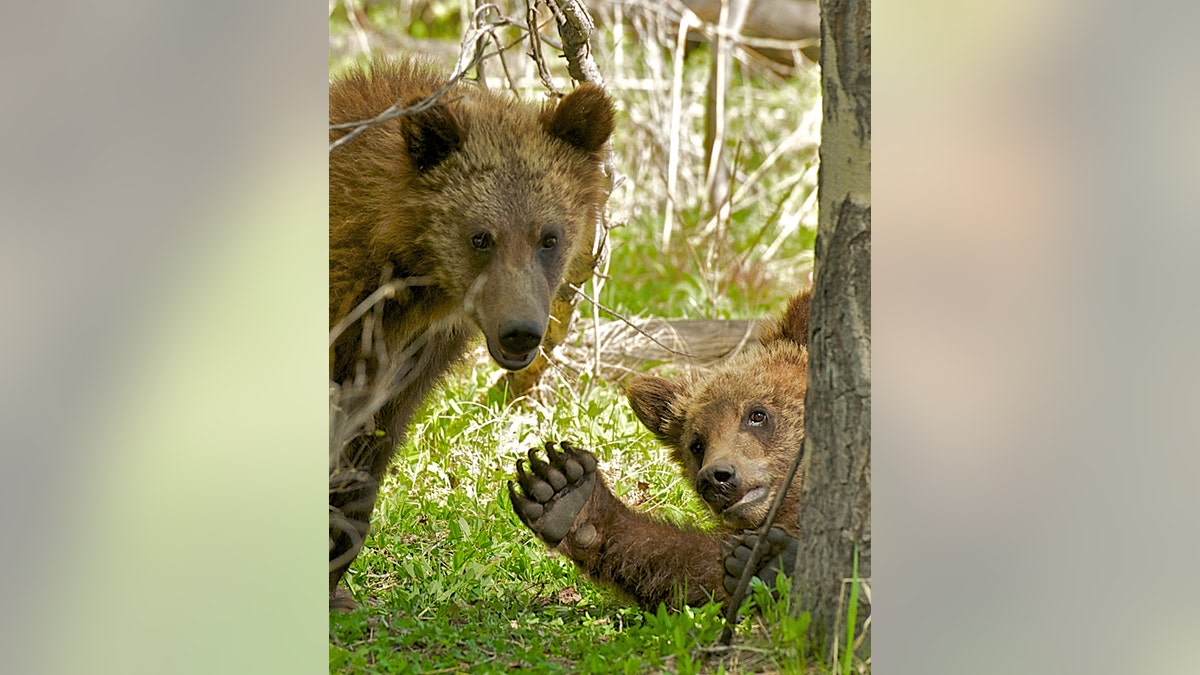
point(653, 400)
point(431, 136)
point(793, 325)
point(584, 118)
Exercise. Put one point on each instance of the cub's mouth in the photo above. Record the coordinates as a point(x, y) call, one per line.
point(752, 498)
point(511, 361)
point(751, 508)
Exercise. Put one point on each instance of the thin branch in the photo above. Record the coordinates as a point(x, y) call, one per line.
point(535, 49)
point(352, 528)
point(475, 36)
point(760, 547)
point(388, 384)
point(631, 324)
point(676, 121)
point(384, 292)
point(500, 49)
point(364, 44)
point(575, 26)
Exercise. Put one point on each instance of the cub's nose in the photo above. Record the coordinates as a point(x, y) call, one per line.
point(717, 481)
point(520, 338)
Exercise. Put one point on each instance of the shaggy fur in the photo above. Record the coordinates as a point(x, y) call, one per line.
point(484, 200)
point(733, 432)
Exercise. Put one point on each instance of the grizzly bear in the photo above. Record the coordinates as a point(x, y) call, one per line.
point(478, 204)
point(734, 433)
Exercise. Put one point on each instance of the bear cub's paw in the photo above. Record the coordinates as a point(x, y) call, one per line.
point(780, 557)
point(555, 493)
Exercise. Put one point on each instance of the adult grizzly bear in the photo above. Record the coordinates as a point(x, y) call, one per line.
point(481, 202)
point(734, 433)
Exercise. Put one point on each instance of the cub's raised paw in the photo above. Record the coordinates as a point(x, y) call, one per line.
point(780, 556)
point(553, 492)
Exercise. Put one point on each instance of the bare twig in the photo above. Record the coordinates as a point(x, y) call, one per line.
point(535, 48)
point(575, 28)
point(477, 36)
point(760, 546)
point(364, 44)
point(676, 122)
point(732, 18)
point(384, 292)
point(617, 315)
point(359, 405)
point(500, 49)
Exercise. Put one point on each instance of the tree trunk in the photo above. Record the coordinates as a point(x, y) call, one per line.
point(835, 510)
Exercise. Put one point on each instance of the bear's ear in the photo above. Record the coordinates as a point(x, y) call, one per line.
point(584, 118)
point(652, 400)
point(431, 136)
point(793, 325)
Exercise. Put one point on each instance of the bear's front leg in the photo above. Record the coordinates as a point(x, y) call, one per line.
point(556, 492)
point(566, 503)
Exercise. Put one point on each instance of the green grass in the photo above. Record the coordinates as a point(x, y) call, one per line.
point(451, 581)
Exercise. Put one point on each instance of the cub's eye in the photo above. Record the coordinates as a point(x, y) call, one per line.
point(697, 447)
point(549, 241)
point(482, 241)
point(757, 417)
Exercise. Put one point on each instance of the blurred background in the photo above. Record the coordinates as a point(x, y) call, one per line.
point(163, 346)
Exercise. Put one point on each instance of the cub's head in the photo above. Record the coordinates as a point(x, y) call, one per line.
point(508, 195)
point(736, 430)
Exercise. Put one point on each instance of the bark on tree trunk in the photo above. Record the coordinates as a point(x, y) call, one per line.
point(835, 510)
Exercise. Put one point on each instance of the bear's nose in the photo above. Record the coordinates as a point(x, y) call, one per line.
point(718, 481)
point(520, 338)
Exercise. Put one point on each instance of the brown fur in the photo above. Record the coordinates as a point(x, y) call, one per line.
point(739, 452)
point(486, 198)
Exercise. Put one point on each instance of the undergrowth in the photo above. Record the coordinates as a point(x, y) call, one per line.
point(449, 580)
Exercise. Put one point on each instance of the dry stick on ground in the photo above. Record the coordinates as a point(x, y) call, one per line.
point(709, 340)
point(629, 323)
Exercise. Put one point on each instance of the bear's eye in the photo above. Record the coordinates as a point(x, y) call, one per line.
point(481, 241)
point(757, 417)
point(697, 447)
point(549, 241)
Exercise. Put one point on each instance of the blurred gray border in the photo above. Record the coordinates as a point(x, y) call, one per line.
point(1036, 167)
point(127, 130)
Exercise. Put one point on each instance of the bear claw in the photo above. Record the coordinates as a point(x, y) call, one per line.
point(527, 509)
point(548, 471)
point(534, 487)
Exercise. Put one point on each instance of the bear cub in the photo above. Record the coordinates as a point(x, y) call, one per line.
point(480, 204)
point(733, 432)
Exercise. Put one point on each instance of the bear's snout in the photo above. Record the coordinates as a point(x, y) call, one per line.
point(717, 483)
